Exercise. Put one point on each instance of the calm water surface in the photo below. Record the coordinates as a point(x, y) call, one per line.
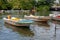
point(34, 32)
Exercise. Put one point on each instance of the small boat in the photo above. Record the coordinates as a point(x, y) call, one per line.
point(18, 22)
point(42, 19)
point(55, 18)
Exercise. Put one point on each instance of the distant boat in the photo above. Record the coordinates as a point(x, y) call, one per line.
point(55, 8)
point(55, 18)
point(21, 22)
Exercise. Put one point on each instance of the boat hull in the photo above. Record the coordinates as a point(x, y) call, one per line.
point(56, 20)
point(40, 19)
point(18, 25)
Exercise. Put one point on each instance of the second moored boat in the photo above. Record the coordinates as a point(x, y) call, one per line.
point(41, 19)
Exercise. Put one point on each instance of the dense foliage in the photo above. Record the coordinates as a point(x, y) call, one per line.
point(44, 4)
point(25, 4)
point(5, 5)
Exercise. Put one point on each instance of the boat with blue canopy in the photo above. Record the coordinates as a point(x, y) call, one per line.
point(18, 22)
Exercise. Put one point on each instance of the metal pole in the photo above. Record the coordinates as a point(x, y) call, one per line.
point(55, 31)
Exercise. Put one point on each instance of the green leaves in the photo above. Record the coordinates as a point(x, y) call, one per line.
point(4, 4)
point(44, 5)
point(25, 4)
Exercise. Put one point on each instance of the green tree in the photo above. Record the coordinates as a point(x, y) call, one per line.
point(21, 4)
point(2, 4)
point(44, 5)
point(27, 4)
point(15, 4)
point(5, 5)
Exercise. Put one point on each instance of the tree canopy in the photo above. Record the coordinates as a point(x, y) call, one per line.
point(23, 4)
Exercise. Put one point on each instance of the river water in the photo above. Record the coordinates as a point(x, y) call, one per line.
point(36, 31)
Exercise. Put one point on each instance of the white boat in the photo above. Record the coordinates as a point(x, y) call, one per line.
point(55, 17)
point(20, 22)
point(37, 18)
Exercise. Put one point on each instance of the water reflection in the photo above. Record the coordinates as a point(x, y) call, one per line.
point(42, 24)
point(36, 31)
point(40, 32)
point(24, 31)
